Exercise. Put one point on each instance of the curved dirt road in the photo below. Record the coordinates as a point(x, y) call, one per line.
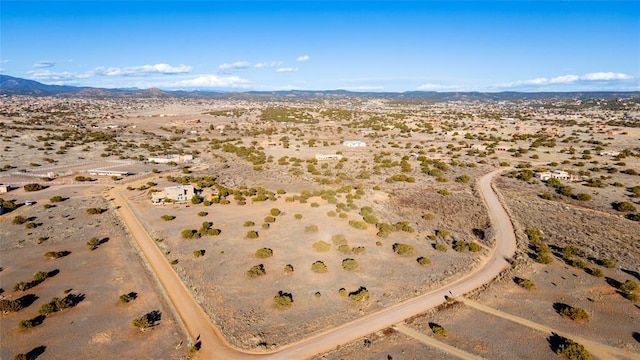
point(214, 346)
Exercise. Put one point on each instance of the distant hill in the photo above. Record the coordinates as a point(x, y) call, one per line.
point(16, 86)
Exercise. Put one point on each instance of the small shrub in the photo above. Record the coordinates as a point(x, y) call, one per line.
point(203, 213)
point(322, 246)
point(342, 292)
point(127, 298)
point(440, 247)
point(444, 192)
point(93, 243)
point(362, 294)
point(283, 300)
point(361, 225)
point(357, 250)
point(19, 220)
point(55, 254)
point(274, 212)
point(475, 247)
point(624, 206)
point(24, 325)
point(423, 260)
point(95, 211)
point(345, 249)
point(428, 216)
point(349, 264)
point(298, 216)
point(595, 272)
point(311, 229)
point(256, 270)
point(56, 199)
point(574, 313)
point(569, 348)
point(319, 267)
point(524, 283)
point(188, 233)
point(167, 217)
point(33, 187)
point(438, 330)
point(583, 197)
point(252, 234)
point(288, 269)
point(264, 253)
point(249, 223)
point(198, 253)
point(142, 323)
point(269, 219)
point(402, 249)
point(7, 306)
point(609, 263)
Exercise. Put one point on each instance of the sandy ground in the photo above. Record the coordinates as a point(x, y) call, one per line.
point(99, 325)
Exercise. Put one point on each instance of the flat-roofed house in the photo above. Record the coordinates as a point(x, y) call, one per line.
point(178, 193)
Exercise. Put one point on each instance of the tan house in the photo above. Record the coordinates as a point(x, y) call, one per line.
point(178, 193)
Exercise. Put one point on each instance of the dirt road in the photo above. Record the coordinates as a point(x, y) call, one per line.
point(433, 342)
point(601, 351)
point(215, 347)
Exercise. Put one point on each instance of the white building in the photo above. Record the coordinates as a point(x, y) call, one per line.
point(354, 143)
point(555, 174)
point(171, 158)
point(321, 157)
point(609, 153)
point(178, 193)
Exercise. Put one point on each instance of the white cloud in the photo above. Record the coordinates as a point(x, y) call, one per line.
point(48, 75)
point(364, 87)
point(606, 76)
point(143, 70)
point(44, 64)
point(213, 81)
point(286, 69)
point(238, 65)
point(303, 58)
point(268, 64)
point(438, 87)
point(569, 79)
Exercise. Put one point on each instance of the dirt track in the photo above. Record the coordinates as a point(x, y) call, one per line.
point(599, 350)
point(213, 344)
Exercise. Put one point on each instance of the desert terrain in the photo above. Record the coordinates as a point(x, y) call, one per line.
point(279, 244)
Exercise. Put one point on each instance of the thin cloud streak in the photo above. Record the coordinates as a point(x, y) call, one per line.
point(286, 69)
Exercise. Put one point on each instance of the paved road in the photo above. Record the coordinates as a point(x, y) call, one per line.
point(215, 347)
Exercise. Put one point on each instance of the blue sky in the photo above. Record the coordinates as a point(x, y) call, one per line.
point(321, 45)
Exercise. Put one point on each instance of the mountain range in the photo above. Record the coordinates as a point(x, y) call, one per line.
point(10, 85)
